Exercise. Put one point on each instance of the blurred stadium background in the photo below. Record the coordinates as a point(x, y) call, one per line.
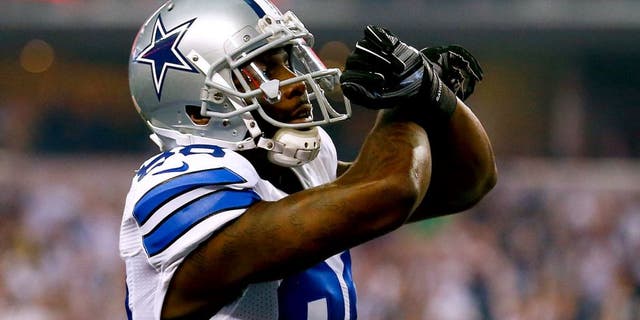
point(558, 238)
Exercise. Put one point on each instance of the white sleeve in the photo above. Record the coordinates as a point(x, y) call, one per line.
point(186, 194)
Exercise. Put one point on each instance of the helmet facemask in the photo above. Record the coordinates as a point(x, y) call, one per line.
point(294, 143)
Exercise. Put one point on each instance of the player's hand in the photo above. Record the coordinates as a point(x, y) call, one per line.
point(457, 68)
point(382, 70)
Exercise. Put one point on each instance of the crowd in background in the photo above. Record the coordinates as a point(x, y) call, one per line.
point(523, 253)
point(59, 238)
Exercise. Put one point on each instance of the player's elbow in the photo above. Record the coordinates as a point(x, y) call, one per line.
point(487, 181)
point(408, 194)
point(483, 185)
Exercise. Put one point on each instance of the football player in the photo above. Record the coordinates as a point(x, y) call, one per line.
point(247, 212)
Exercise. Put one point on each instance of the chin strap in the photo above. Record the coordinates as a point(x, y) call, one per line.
point(291, 147)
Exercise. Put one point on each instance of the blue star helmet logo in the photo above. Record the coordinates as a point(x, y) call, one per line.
point(163, 54)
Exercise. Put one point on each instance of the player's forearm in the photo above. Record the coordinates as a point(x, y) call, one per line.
point(396, 150)
point(464, 169)
point(376, 195)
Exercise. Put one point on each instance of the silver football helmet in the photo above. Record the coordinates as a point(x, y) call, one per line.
point(188, 53)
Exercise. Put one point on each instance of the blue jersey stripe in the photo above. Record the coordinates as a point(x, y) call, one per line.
point(172, 188)
point(182, 220)
point(256, 8)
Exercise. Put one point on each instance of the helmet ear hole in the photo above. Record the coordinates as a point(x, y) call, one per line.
point(196, 117)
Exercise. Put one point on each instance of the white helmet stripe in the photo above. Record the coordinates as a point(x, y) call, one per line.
point(262, 8)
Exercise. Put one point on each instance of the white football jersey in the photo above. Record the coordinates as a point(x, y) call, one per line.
point(179, 198)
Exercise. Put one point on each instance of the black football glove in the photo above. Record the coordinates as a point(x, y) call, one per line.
point(383, 72)
point(457, 68)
